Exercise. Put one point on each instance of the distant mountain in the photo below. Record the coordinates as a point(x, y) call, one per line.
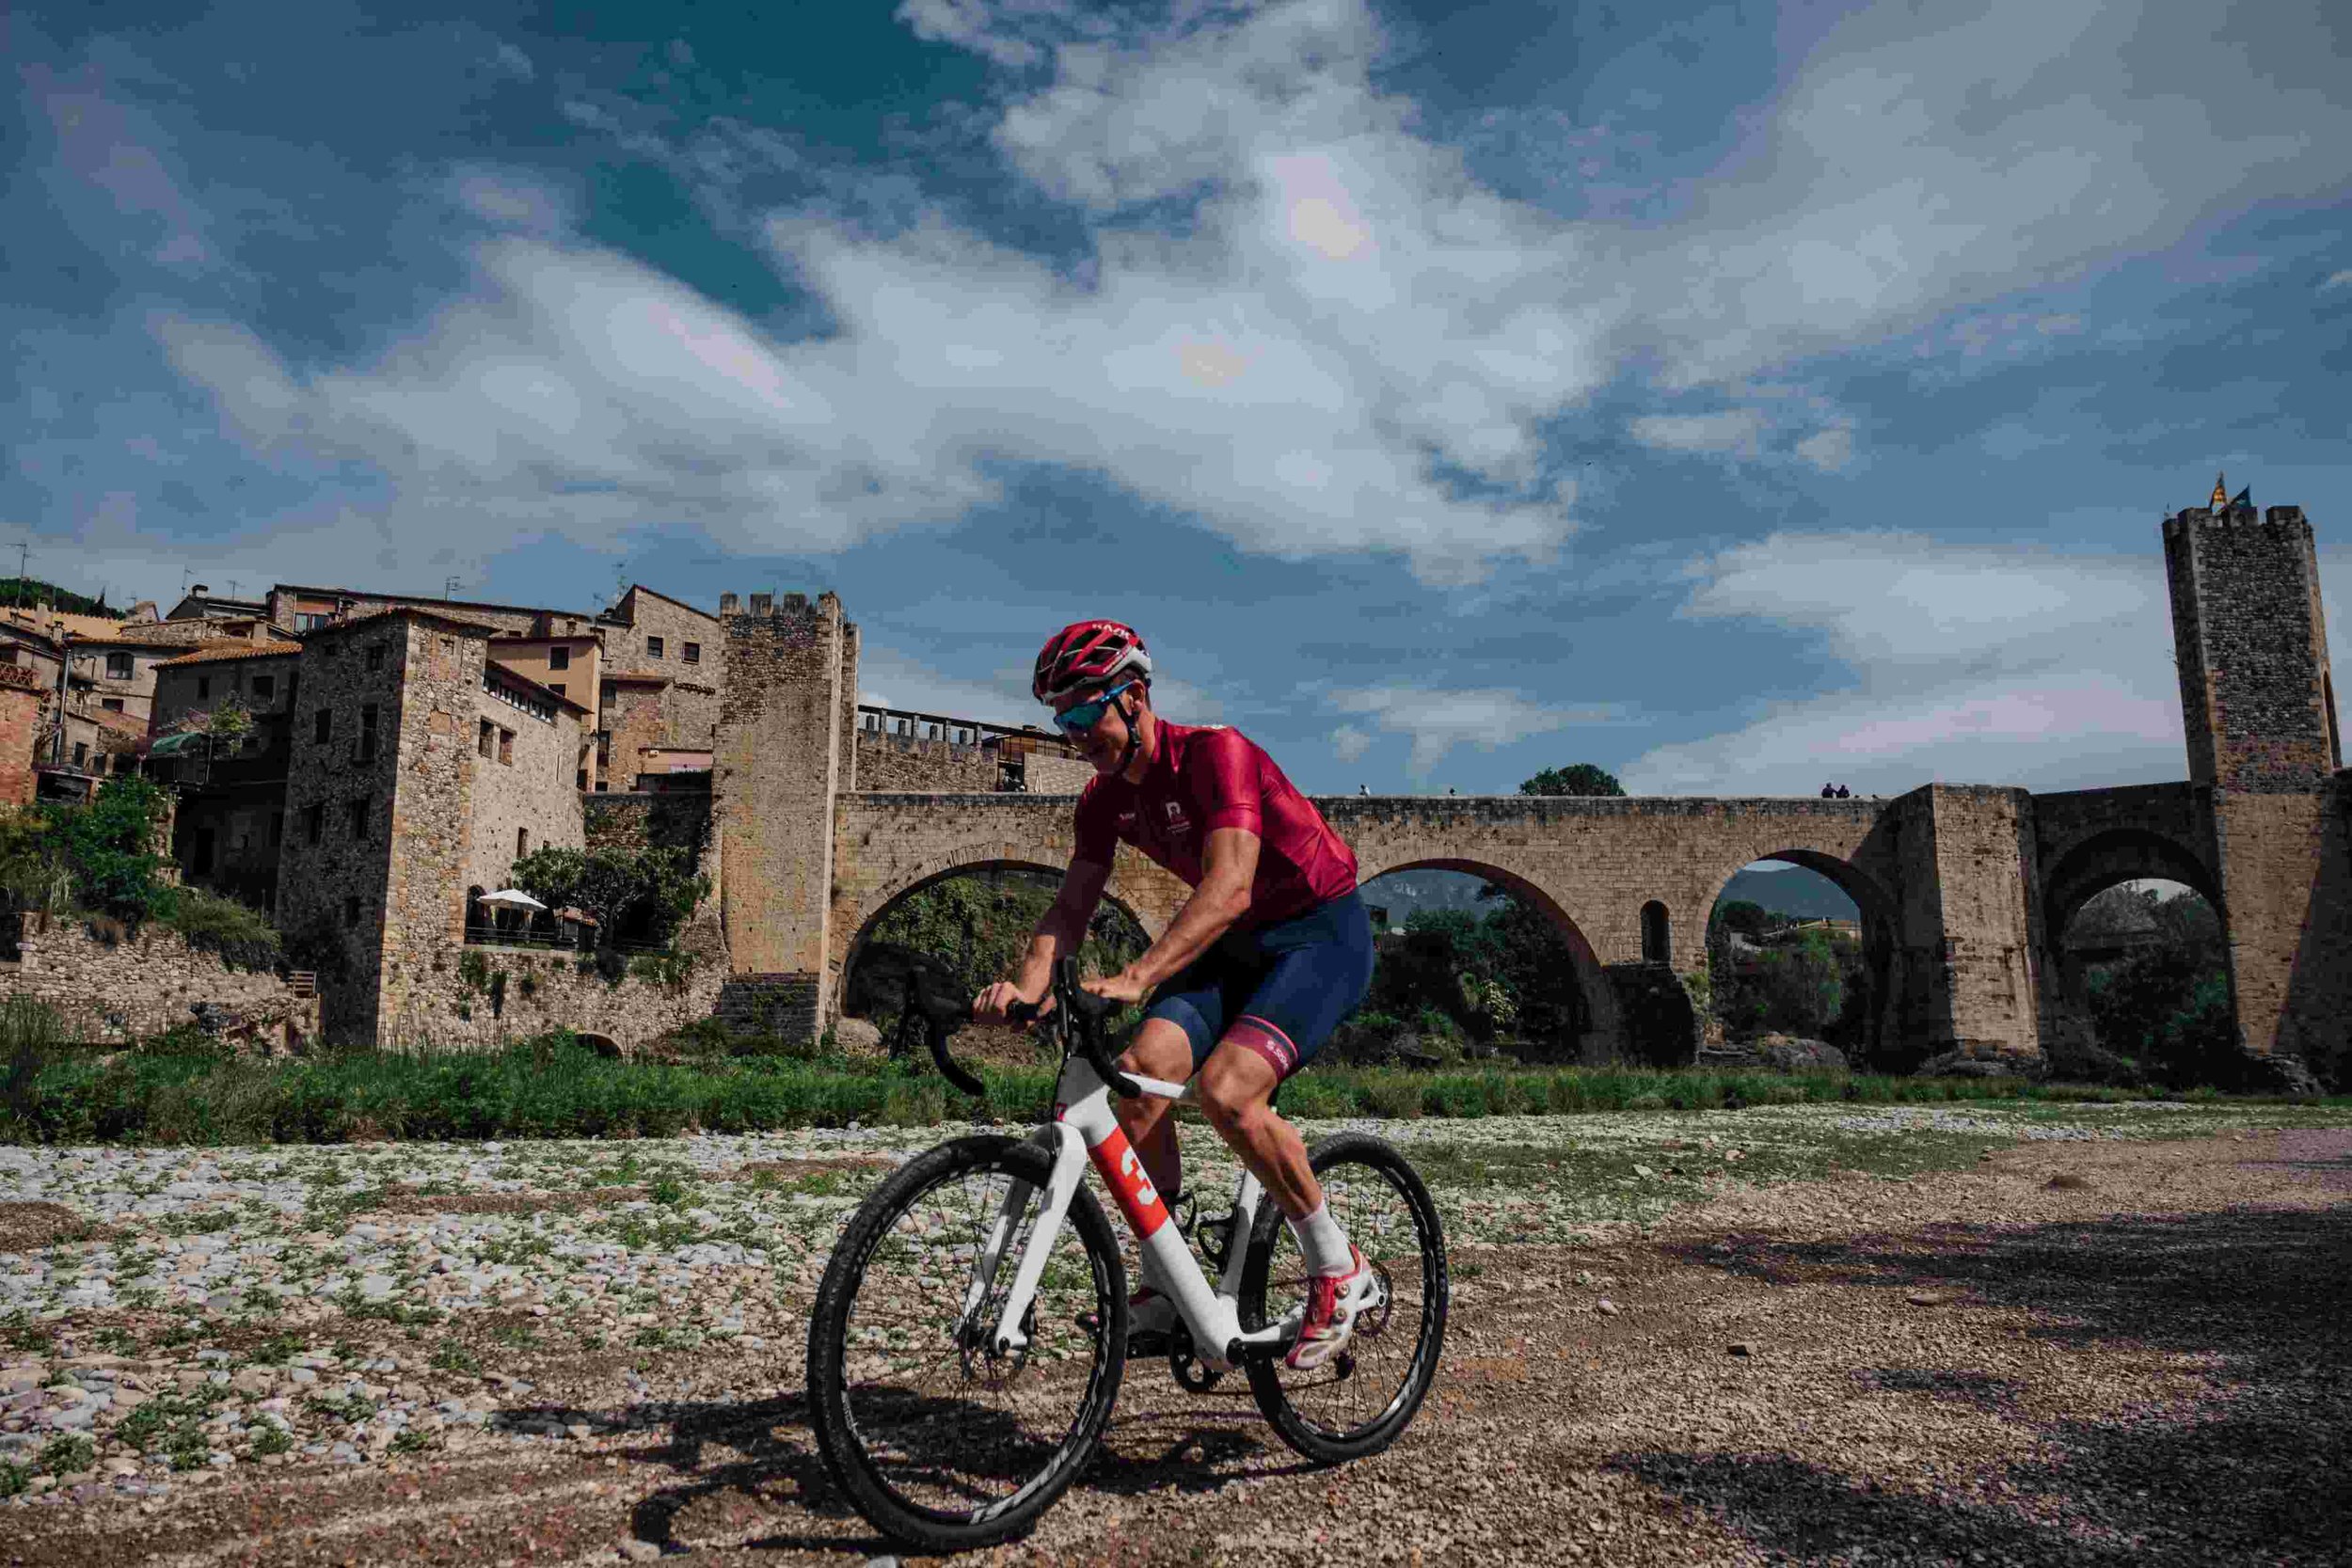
point(1796, 892)
point(1408, 893)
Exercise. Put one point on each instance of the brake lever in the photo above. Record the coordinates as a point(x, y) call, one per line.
point(1087, 1012)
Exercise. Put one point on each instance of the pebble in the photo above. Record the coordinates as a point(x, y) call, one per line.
point(1740, 1347)
point(638, 1551)
point(1606, 1308)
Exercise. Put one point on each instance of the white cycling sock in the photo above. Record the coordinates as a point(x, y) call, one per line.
point(1323, 1242)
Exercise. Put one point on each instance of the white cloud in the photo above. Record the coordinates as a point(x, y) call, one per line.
point(515, 61)
point(1920, 160)
point(1437, 720)
point(1737, 432)
point(1970, 664)
point(1828, 450)
point(2337, 279)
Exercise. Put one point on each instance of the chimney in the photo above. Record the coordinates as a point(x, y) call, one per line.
point(201, 588)
point(727, 604)
point(763, 604)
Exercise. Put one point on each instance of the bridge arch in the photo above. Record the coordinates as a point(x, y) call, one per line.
point(2089, 868)
point(1603, 1034)
point(1880, 920)
point(1134, 895)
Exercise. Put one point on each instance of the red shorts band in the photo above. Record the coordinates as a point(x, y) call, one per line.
point(1257, 1035)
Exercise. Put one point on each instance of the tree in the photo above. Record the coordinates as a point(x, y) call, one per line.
point(642, 892)
point(1740, 915)
point(110, 844)
point(1582, 778)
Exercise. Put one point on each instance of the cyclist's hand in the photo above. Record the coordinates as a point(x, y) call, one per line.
point(992, 1004)
point(1121, 987)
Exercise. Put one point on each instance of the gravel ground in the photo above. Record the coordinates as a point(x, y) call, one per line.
point(1980, 1333)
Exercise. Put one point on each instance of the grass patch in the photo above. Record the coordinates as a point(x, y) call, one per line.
point(551, 1089)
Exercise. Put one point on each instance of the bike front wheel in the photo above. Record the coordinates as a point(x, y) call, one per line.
point(1357, 1402)
point(939, 1440)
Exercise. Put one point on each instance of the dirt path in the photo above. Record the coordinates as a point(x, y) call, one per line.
point(2082, 1351)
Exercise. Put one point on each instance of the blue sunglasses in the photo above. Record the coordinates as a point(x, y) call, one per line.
point(1075, 722)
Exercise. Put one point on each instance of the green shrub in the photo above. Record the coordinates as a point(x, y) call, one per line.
point(240, 934)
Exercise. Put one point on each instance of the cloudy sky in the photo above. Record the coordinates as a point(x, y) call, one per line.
point(1737, 398)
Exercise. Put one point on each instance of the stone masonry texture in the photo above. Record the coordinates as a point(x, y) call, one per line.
point(143, 983)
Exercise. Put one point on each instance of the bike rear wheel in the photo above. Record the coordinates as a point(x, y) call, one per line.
point(940, 1441)
point(1357, 1403)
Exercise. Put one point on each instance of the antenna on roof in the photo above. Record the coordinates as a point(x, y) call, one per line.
point(451, 584)
point(23, 554)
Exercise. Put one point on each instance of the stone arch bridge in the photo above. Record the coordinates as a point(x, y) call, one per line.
point(1956, 886)
point(1964, 890)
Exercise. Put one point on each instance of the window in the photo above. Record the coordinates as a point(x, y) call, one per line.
point(117, 667)
point(81, 752)
point(693, 652)
point(367, 733)
point(556, 687)
point(1656, 935)
point(7, 653)
point(653, 647)
point(264, 688)
point(309, 620)
point(204, 687)
point(481, 740)
point(322, 725)
point(375, 655)
point(277, 829)
point(582, 780)
point(359, 810)
point(506, 747)
point(522, 842)
point(351, 911)
point(313, 823)
point(559, 658)
point(112, 705)
point(201, 861)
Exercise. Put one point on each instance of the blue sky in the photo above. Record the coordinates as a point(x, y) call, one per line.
point(1735, 397)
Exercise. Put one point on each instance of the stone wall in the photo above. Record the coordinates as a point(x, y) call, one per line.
point(20, 727)
point(775, 774)
point(518, 992)
point(635, 716)
point(263, 684)
point(1050, 772)
point(2258, 699)
point(904, 765)
point(1976, 926)
point(641, 616)
point(644, 819)
point(145, 984)
point(523, 786)
point(333, 881)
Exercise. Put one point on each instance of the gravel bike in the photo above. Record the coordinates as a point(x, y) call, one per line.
point(971, 1329)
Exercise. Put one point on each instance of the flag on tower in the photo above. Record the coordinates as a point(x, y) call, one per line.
point(2220, 494)
point(2244, 497)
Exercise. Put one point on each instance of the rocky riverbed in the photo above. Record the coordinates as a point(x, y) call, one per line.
point(171, 1320)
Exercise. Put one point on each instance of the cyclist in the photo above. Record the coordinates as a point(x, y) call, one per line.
point(1270, 952)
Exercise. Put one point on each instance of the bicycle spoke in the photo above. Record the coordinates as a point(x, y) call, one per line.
point(944, 1422)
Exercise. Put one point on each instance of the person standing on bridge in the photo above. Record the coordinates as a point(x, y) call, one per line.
point(1273, 948)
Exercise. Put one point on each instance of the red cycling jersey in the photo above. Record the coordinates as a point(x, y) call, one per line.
point(1202, 777)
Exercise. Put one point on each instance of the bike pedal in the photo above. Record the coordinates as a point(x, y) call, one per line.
point(1149, 1343)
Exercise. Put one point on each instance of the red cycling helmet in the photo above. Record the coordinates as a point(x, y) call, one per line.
point(1086, 653)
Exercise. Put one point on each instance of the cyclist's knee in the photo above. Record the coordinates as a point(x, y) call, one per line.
point(1160, 1050)
point(1229, 1099)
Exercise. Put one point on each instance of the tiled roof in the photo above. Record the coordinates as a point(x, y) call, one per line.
point(210, 654)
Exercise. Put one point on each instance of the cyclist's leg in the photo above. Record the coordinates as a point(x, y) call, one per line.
point(1319, 967)
point(1162, 1048)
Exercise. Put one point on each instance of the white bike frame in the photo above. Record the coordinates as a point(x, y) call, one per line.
point(1082, 1128)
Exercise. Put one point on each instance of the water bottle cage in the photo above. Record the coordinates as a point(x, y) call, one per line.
point(1215, 1237)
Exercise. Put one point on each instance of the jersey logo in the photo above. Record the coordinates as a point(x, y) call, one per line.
point(1177, 821)
point(1126, 819)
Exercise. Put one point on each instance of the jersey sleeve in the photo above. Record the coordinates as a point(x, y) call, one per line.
point(1095, 836)
point(1225, 779)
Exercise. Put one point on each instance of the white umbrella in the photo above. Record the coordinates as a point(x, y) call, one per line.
point(511, 898)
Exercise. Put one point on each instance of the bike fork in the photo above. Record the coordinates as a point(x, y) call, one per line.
point(1070, 1161)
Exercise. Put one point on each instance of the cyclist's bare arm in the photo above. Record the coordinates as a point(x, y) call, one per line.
point(1062, 930)
point(1229, 866)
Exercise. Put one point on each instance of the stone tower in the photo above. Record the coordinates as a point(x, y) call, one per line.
point(2258, 701)
point(785, 752)
point(377, 782)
